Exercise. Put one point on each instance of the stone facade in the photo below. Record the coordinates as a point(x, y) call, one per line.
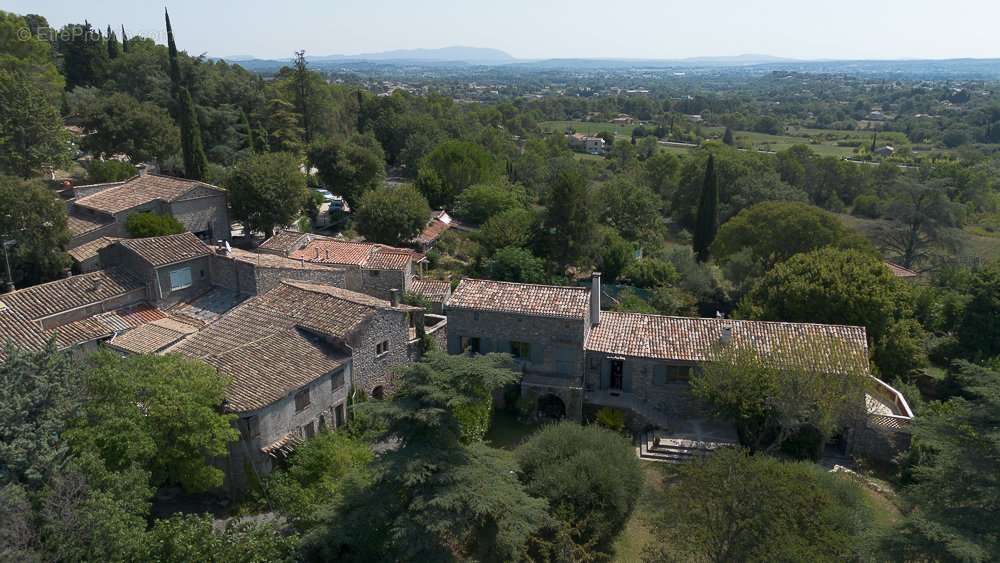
point(327, 409)
point(656, 384)
point(247, 278)
point(372, 369)
point(554, 356)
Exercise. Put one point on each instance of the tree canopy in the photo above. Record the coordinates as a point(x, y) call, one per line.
point(392, 215)
point(267, 191)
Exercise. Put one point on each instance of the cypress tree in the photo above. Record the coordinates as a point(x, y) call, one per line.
point(708, 212)
point(245, 123)
point(874, 138)
point(195, 161)
point(112, 44)
point(175, 68)
point(124, 41)
point(727, 138)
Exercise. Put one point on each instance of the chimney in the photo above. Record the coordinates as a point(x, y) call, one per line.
point(595, 299)
point(142, 169)
point(727, 334)
point(394, 297)
point(220, 248)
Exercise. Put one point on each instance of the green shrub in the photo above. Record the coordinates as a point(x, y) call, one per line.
point(612, 419)
point(101, 171)
point(867, 205)
point(149, 224)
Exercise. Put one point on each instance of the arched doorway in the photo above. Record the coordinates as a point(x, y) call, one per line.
point(378, 393)
point(551, 407)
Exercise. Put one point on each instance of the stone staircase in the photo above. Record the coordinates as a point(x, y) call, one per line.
point(652, 446)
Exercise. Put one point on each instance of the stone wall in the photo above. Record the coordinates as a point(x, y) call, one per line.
point(200, 281)
point(279, 419)
point(669, 397)
point(267, 278)
point(378, 283)
point(372, 370)
point(557, 345)
point(207, 213)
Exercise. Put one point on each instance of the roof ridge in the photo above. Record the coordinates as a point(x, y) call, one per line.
point(366, 300)
point(116, 269)
point(632, 313)
point(576, 287)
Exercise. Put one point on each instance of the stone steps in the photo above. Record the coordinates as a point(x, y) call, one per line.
point(673, 450)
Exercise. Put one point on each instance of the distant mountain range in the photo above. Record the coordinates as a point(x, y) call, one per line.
point(457, 56)
point(467, 55)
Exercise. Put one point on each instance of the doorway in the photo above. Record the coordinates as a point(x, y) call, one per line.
point(617, 375)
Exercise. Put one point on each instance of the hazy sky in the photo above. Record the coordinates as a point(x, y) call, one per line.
point(556, 28)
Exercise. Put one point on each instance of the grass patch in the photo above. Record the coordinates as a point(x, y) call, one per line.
point(588, 127)
point(638, 532)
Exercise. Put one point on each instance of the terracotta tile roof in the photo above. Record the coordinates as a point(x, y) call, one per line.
point(521, 298)
point(440, 222)
point(48, 299)
point(274, 367)
point(266, 344)
point(264, 260)
point(285, 242)
point(80, 224)
point(105, 325)
point(20, 331)
point(170, 249)
point(698, 339)
point(900, 271)
point(207, 307)
point(152, 337)
point(89, 250)
point(385, 259)
point(138, 191)
point(329, 251)
point(360, 254)
point(434, 290)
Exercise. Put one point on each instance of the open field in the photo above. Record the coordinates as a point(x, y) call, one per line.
point(587, 127)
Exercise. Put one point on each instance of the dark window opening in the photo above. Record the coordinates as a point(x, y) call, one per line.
point(302, 400)
point(617, 375)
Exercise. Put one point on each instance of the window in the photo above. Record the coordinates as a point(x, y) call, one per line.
point(470, 343)
point(337, 381)
point(250, 428)
point(678, 373)
point(520, 350)
point(180, 278)
point(309, 430)
point(382, 348)
point(338, 415)
point(302, 400)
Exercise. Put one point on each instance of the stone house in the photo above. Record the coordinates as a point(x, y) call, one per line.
point(373, 269)
point(545, 329)
point(101, 210)
point(574, 355)
point(294, 355)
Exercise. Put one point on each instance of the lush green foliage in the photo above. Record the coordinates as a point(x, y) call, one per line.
point(159, 412)
point(392, 215)
point(40, 400)
point(266, 191)
point(36, 220)
point(955, 492)
point(812, 385)
point(481, 201)
point(350, 168)
point(979, 328)
point(100, 171)
point(731, 506)
point(775, 231)
point(515, 264)
point(589, 475)
point(452, 167)
point(31, 129)
point(707, 224)
point(150, 224)
point(120, 124)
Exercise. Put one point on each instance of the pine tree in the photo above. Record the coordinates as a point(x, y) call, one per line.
point(302, 95)
point(112, 44)
point(124, 41)
point(727, 138)
point(175, 69)
point(195, 161)
point(708, 212)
